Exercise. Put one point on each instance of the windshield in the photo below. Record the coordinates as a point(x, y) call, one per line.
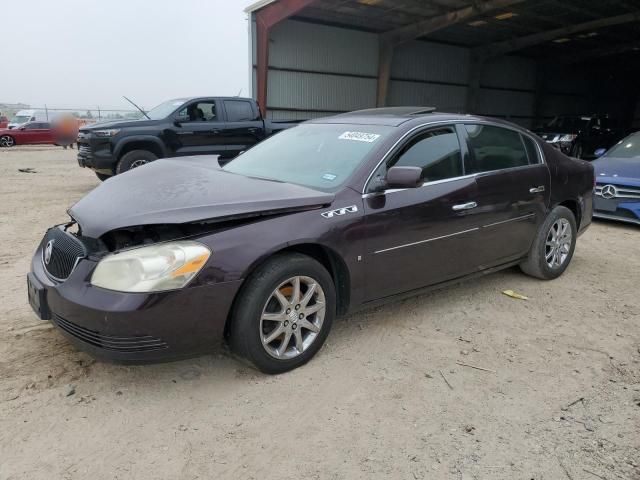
point(568, 124)
point(164, 109)
point(626, 148)
point(319, 156)
point(20, 119)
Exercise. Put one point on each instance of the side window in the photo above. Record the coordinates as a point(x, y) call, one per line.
point(31, 126)
point(532, 150)
point(436, 152)
point(199, 112)
point(494, 148)
point(239, 111)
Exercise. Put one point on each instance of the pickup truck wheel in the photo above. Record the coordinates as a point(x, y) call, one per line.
point(576, 151)
point(134, 159)
point(102, 177)
point(283, 314)
point(553, 245)
point(7, 141)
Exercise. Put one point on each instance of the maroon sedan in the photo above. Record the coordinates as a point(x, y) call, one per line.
point(329, 217)
point(32, 133)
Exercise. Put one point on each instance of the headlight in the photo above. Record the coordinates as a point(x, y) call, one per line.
point(568, 138)
point(166, 266)
point(106, 133)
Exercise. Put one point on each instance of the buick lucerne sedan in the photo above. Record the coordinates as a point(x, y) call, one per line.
point(334, 215)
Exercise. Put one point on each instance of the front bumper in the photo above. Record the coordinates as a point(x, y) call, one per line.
point(627, 211)
point(96, 153)
point(131, 327)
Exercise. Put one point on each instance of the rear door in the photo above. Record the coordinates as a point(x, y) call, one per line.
point(244, 126)
point(422, 236)
point(513, 191)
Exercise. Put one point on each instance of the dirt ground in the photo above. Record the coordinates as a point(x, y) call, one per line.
point(385, 398)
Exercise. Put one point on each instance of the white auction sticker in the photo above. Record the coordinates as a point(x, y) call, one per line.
point(359, 136)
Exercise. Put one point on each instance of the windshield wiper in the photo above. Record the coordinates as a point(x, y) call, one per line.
point(143, 112)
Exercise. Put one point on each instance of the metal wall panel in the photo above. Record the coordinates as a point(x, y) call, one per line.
point(431, 62)
point(505, 102)
point(311, 47)
point(509, 72)
point(308, 91)
point(446, 98)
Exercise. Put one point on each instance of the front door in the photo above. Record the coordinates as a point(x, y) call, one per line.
point(513, 192)
point(197, 130)
point(422, 236)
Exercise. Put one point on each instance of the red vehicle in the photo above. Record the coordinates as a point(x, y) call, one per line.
point(4, 121)
point(31, 133)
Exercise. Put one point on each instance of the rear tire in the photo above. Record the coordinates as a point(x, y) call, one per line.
point(7, 141)
point(134, 159)
point(268, 307)
point(553, 246)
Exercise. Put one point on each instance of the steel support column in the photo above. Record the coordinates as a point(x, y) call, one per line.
point(266, 19)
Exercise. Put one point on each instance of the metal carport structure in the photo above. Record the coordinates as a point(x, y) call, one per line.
point(525, 60)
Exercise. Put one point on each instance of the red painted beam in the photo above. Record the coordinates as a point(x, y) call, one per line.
point(266, 19)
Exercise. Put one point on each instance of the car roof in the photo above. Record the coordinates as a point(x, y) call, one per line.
point(396, 116)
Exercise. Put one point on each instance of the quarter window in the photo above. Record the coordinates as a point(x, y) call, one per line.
point(494, 148)
point(436, 152)
point(239, 111)
point(532, 150)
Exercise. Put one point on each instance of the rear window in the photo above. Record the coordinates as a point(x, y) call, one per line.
point(239, 111)
point(494, 148)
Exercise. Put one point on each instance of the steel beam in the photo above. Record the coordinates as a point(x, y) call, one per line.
point(266, 18)
point(391, 39)
point(507, 46)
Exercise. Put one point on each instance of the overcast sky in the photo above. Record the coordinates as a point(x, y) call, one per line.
point(83, 53)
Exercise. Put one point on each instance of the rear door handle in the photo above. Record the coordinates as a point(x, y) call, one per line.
point(465, 206)
point(253, 130)
point(215, 131)
point(539, 189)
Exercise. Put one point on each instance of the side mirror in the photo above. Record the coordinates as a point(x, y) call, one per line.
point(599, 152)
point(22, 128)
point(404, 177)
point(177, 123)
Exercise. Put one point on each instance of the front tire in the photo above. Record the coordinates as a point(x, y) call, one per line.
point(7, 141)
point(553, 246)
point(134, 159)
point(283, 314)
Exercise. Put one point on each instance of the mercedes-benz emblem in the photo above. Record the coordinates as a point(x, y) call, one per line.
point(47, 252)
point(609, 191)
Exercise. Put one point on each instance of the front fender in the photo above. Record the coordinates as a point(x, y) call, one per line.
point(140, 139)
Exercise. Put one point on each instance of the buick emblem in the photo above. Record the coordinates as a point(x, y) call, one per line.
point(609, 191)
point(47, 252)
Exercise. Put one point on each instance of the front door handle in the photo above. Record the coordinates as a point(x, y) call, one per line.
point(539, 189)
point(253, 130)
point(215, 131)
point(464, 206)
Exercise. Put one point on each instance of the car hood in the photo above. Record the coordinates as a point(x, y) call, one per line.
point(185, 190)
point(621, 171)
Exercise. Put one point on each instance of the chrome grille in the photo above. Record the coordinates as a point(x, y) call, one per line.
point(618, 191)
point(61, 252)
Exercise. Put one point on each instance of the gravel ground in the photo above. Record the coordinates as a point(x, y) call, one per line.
point(387, 397)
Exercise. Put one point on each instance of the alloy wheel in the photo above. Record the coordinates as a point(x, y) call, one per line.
point(558, 244)
point(6, 141)
point(292, 317)
point(138, 163)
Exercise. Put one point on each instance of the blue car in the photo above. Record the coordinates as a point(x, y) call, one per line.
point(618, 181)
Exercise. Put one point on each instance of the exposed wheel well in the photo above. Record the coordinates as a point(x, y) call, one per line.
point(141, 145)
point(574, 206)
point(329, 260)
